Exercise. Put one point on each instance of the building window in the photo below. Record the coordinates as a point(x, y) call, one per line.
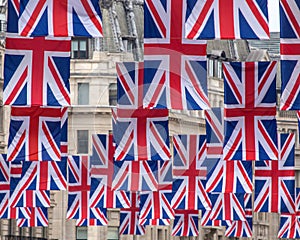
point(83, 93)
point(217, 69)
point(297, 174)
point(112, 233)
point(79, 48)
point(160, 234)
point(210, 67)
point(220, 103)
point(129, 44)
point(112, 94)
point(278, 96)
point(291, 130)
point(22, 232)
point(261, 217)
point(167, 235)
point(82, 141)
point(11, 227)
point(214, 68)
point(152, 234)
point(45, 232)
point(81, 233)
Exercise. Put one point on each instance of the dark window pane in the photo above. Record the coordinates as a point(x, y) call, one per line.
point(79, 48)
point(113, 94)
point(83, 93)
point(82, 141)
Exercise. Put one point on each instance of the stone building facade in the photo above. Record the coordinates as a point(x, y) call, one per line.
point(93, 93)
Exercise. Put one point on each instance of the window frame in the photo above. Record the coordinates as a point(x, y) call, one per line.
point(77, 41)
point(80, 100)
point(113, 94)
point(80, 141)
point(82, 227)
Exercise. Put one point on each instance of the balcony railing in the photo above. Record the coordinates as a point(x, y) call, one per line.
point(287, 114)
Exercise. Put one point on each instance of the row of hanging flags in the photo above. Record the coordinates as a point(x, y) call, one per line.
point(133, 169)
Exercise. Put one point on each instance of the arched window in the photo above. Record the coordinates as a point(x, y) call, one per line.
point(112, 94)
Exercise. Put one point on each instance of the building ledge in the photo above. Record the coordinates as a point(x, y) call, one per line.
point(88, 109)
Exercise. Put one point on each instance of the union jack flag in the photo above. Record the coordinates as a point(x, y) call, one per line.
point(141, 134)
point(4, 207)
point(30, 198)
point(15, 170)
point(130, 85)
point(289, 226)
point(122, 199)
point(155, 222)
point(157, 205)
point(36, 71)
point(99, 214)
point(152, 142)
point(135, 176)
point(290, 222)
point(175, 68)
point(60, 18)
point(23, 212)
point(221, 19)
point(102, 169)
point(228, 206)
point(25, 185)
point(13, 9)
point(91, 222)
point(289, 52)
point(17, 213)
point(102, 155)
point(29, 187)
point(189, 176)
point(290, 74)
point(47, 175)
point(129, 218)
point(4, 184)
point(250, 100)
point(289, 19)
point(206, 219)
point(185, 223)
point(275, 180)
point(79, 184)
point(34, 134)
point(95, 217)
point(99, 196)
point(230, 177)
point(38, 217)
point(214, 119)
point(242, 228)
point(64, 134)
